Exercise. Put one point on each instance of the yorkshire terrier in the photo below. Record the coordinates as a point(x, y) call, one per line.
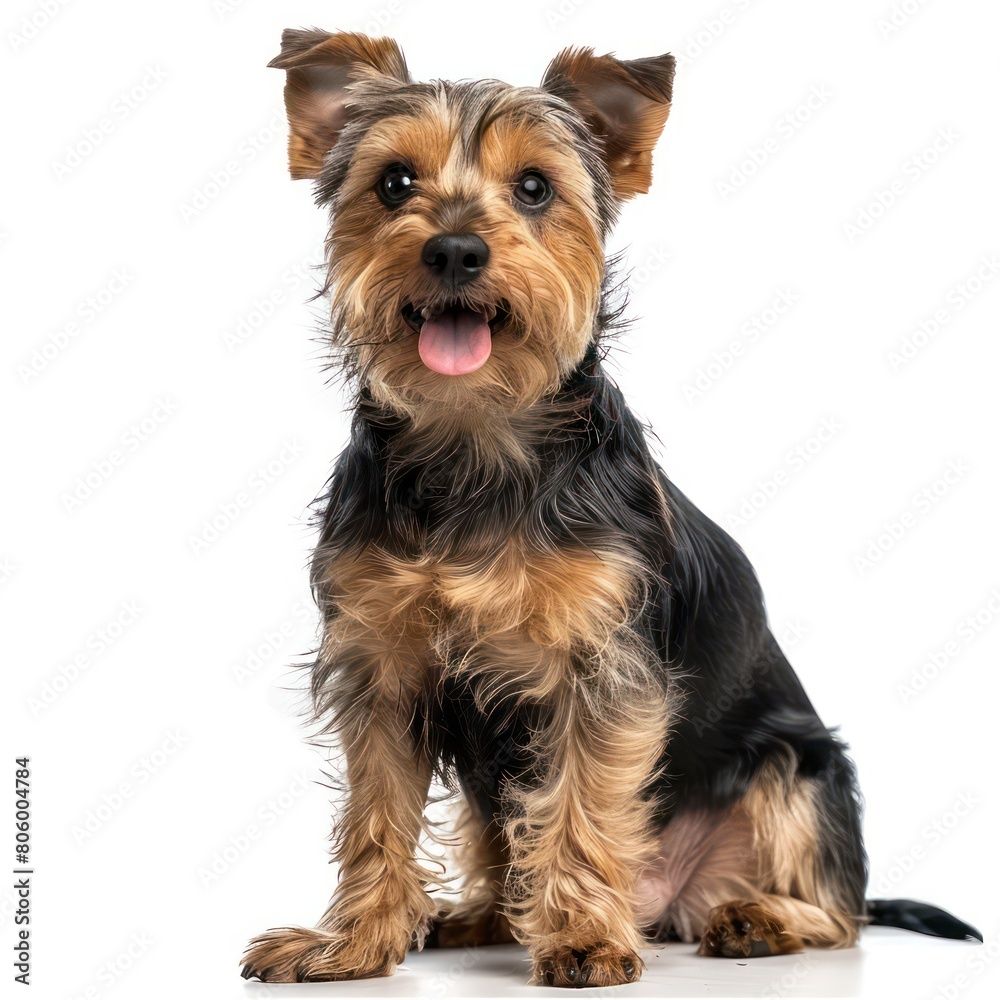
point(514, 597)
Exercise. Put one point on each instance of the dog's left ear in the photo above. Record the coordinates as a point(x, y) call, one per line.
point(625, 103)
point(320, 67)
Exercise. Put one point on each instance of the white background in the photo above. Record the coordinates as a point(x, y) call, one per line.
point(185, 197)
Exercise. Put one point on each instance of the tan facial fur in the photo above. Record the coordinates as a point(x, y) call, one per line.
point(546, 267)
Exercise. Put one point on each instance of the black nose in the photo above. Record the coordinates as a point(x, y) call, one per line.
point(455, 258)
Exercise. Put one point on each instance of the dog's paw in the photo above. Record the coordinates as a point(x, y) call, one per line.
point(301, 955)
point(746, 930)
point(598, 965)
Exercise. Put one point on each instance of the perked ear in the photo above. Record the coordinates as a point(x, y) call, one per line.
point(320, 66)
point(625, 103)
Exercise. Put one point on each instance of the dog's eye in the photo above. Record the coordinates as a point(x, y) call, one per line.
point(533, 189)
point(395, 185)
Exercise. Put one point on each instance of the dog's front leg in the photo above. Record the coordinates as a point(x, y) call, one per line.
point(380, 901)
point(583, 834)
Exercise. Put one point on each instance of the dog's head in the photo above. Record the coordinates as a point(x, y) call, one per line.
point(466, 248)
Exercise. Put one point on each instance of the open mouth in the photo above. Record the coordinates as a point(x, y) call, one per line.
point(454, 339)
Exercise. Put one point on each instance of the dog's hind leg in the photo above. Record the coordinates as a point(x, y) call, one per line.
point(478, 917)
point(808, 866)
point(770, 925)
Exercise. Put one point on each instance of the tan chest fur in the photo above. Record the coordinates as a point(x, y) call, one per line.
point(524, 611)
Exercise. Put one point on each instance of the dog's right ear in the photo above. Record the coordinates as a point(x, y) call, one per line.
point(320, 67)
point(625, 103)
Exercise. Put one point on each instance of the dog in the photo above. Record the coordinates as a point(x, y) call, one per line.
point(514, 597)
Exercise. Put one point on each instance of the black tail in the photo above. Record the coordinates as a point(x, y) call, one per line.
point(920, 917)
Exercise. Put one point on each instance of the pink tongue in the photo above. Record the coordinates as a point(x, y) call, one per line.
point(455, 343)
